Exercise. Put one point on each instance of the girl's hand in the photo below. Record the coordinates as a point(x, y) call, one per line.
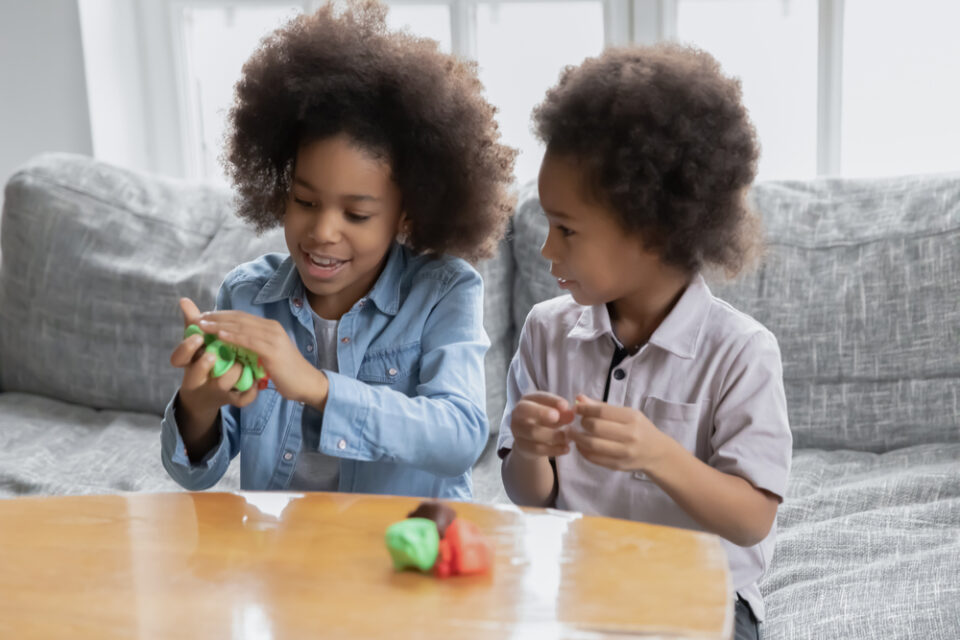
point(618, 438)
point(536, 424)
point(201, 394)
point(294, 377)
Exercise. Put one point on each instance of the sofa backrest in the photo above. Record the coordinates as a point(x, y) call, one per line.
point(94, 261)
point(860, 285)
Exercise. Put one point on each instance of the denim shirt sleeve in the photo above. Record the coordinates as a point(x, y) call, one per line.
point(443, 428)
point(173, 453)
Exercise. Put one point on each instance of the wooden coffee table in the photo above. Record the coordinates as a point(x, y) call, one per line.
point(287, 565)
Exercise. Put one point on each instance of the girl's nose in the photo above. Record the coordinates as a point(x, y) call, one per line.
point(326, 228)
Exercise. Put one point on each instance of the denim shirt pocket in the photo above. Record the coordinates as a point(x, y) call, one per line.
point(255, 416)
point(679, 420)
point(390, 366)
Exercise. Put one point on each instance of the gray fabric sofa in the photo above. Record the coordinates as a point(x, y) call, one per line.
point(861, 285)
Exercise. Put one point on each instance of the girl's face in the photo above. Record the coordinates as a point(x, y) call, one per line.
point(591, 254)
point(342, 217)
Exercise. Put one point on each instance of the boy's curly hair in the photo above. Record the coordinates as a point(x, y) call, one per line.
point(396, 95)
point(665, 142)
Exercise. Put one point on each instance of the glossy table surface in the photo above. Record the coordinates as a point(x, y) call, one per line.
point(288, 565)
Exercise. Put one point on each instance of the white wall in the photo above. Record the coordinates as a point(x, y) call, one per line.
point(43, 96)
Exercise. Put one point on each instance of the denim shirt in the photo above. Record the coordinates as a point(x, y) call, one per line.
point(405, 413)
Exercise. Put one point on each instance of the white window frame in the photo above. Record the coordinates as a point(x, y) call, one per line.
point(173, 123)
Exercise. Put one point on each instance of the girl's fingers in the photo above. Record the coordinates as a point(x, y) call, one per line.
point(197, 373)
point(227, 380)
point(190, 311)
point(187, 351)
point(241, 400)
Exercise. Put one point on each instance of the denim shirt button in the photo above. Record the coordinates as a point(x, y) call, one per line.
point(342, 445)
point(392, 372)
point(297, 302)
point(310, 348)
point(344, 340)
point(288, 456)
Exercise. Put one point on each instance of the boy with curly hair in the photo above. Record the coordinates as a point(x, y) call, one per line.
point(679, 414)
point(380, 158)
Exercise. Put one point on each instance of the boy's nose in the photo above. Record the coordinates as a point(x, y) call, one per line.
point(547, 250)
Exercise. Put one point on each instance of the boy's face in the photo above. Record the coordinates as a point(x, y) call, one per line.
point(592, 255)
point(342, 216)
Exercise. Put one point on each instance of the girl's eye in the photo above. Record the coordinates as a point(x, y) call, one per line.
point(356, 217)
point(564, 231)
point(304, 203)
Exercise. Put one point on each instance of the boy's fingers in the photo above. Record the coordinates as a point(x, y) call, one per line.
point(605, 429)
point(547, 399)
point(532, 414)
point(543, 435)
point(190, 311)
point(540, 449)
point(589, 408)
point(590, 445)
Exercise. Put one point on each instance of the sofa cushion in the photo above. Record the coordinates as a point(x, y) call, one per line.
point(95, 259)
point(868, 546)
point(860, 285)
point(49, 447)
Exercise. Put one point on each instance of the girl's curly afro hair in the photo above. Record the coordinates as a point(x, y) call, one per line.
point(396, 95)
point(665, 142)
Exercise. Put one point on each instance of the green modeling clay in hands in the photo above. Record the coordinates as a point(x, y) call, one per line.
point(227, 354)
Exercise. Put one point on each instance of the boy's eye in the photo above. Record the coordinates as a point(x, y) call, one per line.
point(304, 203)
point(356, 217)
point(564, 231)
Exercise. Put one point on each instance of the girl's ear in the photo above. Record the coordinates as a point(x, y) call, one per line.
point(403, 228)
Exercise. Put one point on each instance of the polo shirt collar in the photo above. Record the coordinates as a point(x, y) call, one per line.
point(679, 333)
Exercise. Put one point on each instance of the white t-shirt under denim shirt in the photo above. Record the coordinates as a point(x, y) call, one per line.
point(315, 470)
point(710, 377)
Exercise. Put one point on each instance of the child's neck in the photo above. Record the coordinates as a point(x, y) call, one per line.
point(636, 316)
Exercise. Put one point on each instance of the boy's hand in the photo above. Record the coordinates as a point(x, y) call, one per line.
point(201, 394)
point(618, 438)
point(537, 423)
point(294, 377)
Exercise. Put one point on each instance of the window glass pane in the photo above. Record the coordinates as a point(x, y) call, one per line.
point(218, 40)
point(521, 49)
point(901, 93)
point(772, 48)
point(428, 20)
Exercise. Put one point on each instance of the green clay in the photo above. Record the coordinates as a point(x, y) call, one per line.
point(227, 354)
point(413, 542)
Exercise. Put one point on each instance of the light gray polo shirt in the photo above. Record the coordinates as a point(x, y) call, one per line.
point(710, 377)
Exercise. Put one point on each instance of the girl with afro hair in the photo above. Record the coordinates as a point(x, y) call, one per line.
point(380, 159)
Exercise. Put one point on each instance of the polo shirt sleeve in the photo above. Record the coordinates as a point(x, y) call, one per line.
point(520, 381)
point(751, 436)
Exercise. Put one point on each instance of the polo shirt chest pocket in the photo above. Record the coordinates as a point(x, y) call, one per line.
point(679, 420)
point(397, 367)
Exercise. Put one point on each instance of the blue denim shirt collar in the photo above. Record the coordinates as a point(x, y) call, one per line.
point(286, 283)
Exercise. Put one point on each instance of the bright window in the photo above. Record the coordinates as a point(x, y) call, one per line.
point(901, 87)
point(772, 48)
